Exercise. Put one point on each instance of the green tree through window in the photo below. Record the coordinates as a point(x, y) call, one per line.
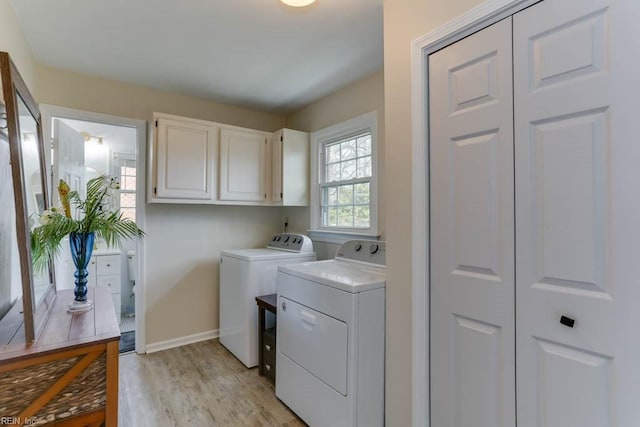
point(346, 183)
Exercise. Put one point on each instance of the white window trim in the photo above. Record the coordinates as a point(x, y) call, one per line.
point(115, 171)
point(141, 127)
point(364, 123)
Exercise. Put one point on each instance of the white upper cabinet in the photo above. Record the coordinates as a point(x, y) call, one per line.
point(290, 168)
point(244, 166)
point(184, 159)
point(202, 162)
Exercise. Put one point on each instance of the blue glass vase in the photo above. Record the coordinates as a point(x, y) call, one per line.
point(81, 249)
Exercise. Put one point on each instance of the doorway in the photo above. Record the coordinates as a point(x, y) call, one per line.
point(86, 145)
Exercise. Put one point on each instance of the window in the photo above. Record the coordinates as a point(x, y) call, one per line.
point(345, 200)
point(344, 197)
point(126, 171)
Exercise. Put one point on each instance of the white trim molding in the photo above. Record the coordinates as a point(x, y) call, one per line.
point(364, 122)
point(51, 111)
point(470, 22)
point(339, 237)
point(179, 342)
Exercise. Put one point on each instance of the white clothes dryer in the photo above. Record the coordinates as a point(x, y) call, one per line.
point(331, 337)
point(246, 274)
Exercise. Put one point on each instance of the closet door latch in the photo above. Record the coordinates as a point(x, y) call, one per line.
point(567, 321)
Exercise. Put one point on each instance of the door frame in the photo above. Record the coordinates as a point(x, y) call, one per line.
point(53, 111)
point(477, 18)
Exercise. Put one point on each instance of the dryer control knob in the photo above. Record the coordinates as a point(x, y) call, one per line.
point(357, 247)
point(373, 249)
point(286, 239)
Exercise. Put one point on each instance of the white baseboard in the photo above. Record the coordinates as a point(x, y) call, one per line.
point(178, 342)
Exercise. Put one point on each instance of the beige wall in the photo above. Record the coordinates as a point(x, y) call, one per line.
point(91, 93)
point(184, 242)
point(404, 21)
point(361, 97)
point(365, 95)
point(12, 40)
point(182, 259)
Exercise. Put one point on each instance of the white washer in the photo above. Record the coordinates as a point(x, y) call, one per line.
point(331, 337)
point(246, 274)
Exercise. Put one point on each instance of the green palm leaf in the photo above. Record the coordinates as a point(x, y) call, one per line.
point(93, 216)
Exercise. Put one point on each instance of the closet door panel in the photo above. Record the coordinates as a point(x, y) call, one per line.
point(472, 258)
point(577, 211)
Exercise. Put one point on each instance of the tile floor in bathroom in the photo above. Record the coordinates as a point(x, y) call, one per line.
point(127, 323)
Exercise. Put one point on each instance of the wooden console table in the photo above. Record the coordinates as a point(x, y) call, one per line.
point(267, 337)
point(69, 375)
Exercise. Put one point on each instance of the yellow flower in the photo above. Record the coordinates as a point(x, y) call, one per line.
point(63, 191)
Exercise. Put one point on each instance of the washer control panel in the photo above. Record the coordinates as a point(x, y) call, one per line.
point(369, 251)
point(291, 242)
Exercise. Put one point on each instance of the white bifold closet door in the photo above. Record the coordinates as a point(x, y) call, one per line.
point(575, 156)
point(472, 265)
point(577, 163)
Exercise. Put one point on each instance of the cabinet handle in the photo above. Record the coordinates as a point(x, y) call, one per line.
point(267, 367)
point(268, 347)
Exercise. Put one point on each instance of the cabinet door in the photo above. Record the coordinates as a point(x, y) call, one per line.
point(111, 282)
point(92, 269)
point(117, 305)
point(243, 165)
point(107, 264)
point(290, 168)
point(276, 166)
point(577, 213)
point(294, 181)
point(472, 247)
point(185, 160)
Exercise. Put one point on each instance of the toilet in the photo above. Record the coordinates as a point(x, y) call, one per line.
point(132, 266)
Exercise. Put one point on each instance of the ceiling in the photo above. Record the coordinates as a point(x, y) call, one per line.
point(119, 139)
point(254, 53)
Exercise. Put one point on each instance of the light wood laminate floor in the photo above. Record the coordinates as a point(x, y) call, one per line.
point(196, 385)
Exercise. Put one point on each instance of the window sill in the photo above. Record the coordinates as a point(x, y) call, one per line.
point(339, 237)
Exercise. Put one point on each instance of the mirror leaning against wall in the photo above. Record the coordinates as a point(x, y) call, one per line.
point(25, 295)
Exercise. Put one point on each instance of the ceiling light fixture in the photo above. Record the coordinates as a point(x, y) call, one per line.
point(297, 3)
point(90, 138)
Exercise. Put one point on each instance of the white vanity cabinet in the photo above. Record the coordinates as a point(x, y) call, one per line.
point(290, 168)
point(244, 165)
point(104, 271)
point(183, 160)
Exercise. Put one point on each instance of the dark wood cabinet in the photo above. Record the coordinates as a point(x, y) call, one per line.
point(267, 337)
